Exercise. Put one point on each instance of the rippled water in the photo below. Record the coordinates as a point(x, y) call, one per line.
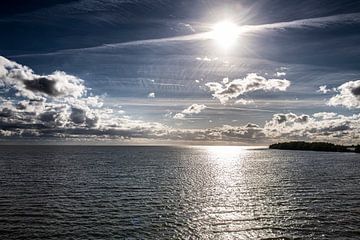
point(177, 193)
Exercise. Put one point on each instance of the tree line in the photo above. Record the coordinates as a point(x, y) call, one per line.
point(315, 146)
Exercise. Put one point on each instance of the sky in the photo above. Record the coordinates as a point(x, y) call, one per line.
point(190, 72)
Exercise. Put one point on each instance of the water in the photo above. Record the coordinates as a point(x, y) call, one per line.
point(177, 193)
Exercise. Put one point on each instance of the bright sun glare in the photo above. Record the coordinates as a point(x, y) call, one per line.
point(225, 33)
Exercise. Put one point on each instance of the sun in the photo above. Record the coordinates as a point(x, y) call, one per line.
point(225, 34)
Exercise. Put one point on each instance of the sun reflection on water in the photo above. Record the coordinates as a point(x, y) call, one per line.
point(228, 185)
point(226, 153)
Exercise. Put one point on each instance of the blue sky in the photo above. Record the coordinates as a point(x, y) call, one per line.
point(155, 63)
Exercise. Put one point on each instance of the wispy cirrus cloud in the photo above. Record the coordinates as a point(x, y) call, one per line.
point(320, 22)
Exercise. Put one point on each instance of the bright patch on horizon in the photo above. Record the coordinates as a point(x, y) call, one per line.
point(225, 34)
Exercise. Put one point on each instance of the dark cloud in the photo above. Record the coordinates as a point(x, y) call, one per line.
point(6, 112)
point(78, 116)
point(356, 91)
point(42, 84)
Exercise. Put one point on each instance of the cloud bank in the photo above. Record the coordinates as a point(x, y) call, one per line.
point(322, 126)
point(59, 106)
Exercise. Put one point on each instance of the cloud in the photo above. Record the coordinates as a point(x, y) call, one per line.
point(320, 22)
point(280, 74)
point(193, 109)
point(61, 107)
point(188, 26)
point(244, 101)
point(42, 102)
point(289, 118)
point(58, 106)
point(30, 85)
point(249, 133)
point(179, 116)
point(207, 59)
point(322, 126)
point(252, 82)
point(348, 96)
point(323, 89)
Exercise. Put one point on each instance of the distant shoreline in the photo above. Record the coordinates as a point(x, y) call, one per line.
point(315, 146)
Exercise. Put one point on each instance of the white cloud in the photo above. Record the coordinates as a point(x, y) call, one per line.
point(320, 22)
point(225, 80)
point(193, 109)
point(348, 96)
point(151, 95)
point(179, 116)
point(252, 82)
point(280, 74)
point(318, 127)
point(206, 59)
point(57, 105)
point(33, 86)
point(244, 101)
point(187, 26)
point(323, 89)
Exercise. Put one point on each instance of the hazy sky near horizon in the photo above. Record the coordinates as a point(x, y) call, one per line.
point(247, 72)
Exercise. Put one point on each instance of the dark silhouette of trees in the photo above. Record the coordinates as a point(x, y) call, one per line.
point(357, 149)
point(314, 146)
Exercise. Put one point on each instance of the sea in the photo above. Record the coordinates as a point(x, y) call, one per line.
point(165, 192)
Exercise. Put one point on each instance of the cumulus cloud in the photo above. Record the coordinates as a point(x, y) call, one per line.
point(179, 116)
point(52, 105)
point(252, 82)
point(324, 89)
point(59, 106)
point(34, 86)
point(193, 109)
point(323, 126)
point(348, 96)
point(249, 133)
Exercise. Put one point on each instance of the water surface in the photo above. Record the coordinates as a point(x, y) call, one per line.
point(68, 192)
